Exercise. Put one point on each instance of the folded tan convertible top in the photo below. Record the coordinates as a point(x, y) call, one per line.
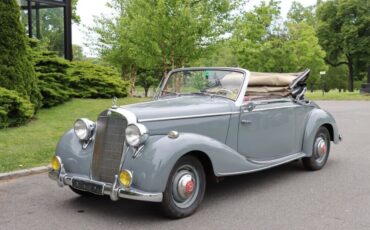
point(272, 79)
point(274, 84)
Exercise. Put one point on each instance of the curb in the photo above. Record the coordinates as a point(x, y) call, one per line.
point(23, 172)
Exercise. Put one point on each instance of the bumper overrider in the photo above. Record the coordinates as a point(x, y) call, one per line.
point(115, 190)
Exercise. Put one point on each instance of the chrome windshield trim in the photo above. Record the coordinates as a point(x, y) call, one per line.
point(187, 117)
point(243, 87)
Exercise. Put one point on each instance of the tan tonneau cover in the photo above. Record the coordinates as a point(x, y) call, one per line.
point(272, 84)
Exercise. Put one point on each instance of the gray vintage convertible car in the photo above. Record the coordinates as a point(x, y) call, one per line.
point(204, 123)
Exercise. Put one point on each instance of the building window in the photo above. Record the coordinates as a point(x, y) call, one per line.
point(49, 21)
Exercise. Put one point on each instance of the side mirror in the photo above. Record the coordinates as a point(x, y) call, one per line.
point(249, 107)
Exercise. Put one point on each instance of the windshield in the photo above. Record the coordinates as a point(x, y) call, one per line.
point(204, 82)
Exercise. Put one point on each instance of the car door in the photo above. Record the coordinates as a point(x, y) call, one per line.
point(266, 129)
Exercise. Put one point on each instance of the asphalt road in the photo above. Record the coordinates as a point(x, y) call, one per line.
point(287, 197)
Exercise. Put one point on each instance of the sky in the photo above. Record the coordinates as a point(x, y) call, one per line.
point(87, 9)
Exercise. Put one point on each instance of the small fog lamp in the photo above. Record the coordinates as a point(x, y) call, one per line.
point(55, 163)
point(125, 178)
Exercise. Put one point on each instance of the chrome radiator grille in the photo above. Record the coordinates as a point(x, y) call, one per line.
point(109, 144)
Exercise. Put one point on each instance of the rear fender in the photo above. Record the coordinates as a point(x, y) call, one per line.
point(318, 118)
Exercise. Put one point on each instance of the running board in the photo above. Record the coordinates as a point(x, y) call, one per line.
point(266, 164)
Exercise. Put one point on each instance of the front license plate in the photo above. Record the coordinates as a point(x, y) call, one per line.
point(88, 186)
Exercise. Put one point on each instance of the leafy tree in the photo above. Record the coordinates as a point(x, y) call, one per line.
point(160, 34)
point(78, 54)
point(16, 69)
point(304, 51)
point(298, 13)
point(264, 44)
point(222, 54)
point(112, 43)
point(344, 33)
point(335, 78)
point(147, 79)
point(251, 33)
point(75, 17)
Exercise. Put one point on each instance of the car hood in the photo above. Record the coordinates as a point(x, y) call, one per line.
point(179, 107)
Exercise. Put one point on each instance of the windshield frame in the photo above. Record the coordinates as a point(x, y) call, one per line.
point(239, 99)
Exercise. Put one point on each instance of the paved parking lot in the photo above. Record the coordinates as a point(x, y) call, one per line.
point(287, 197)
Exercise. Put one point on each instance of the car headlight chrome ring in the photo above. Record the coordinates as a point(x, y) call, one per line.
point(84, 128)
point(136, 134)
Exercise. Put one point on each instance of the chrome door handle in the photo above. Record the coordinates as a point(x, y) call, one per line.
point(246, 122)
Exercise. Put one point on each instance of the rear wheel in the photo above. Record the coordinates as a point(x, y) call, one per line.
point(185, 188)
point(320, 153)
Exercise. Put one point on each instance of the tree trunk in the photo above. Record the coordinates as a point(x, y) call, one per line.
point(350, 74)
point(132, 79)
point(146, 89)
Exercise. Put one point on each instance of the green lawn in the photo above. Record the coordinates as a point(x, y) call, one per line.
point(335, 95)
point(34, 144)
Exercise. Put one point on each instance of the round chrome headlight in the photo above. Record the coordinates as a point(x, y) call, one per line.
point(84, 128)
point(136, 134)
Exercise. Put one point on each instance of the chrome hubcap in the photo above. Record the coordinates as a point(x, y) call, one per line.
point(185, 186)
point(320, 149)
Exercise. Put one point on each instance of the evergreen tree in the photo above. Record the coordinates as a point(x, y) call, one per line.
point(16, 69)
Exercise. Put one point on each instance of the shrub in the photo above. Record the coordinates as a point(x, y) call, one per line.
point(90, 80)
point(14, 109)
point(51, 71)
point(16, 68)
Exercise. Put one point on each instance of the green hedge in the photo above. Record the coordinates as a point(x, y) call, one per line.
point(14, 109)
point(90, 80)
point(59, 79)
point(51, 71)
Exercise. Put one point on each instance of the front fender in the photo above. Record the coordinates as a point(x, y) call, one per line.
point(152, 168)
point(75, 159)
point(318, 118)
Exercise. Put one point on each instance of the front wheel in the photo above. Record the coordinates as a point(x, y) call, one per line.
point(320, 153)
point(185, 188)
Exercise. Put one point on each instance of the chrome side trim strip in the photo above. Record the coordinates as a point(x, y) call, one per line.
point(282, 107)
point(187, 117)
point(298, 156)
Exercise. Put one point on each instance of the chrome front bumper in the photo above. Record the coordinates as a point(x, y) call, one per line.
point(114, 190)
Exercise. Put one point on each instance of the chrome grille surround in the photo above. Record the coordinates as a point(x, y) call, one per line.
point(109, 146)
